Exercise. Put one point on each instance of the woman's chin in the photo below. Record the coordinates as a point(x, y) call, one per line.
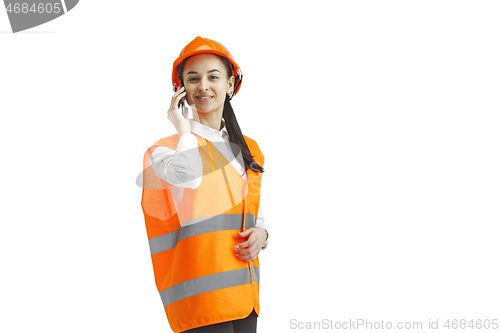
point(203, 108)
point(200, 110)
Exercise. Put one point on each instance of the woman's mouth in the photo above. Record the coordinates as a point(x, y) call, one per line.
point(204, 98)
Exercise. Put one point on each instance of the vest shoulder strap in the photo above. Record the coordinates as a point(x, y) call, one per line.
point(170, 142)
point(255, 151)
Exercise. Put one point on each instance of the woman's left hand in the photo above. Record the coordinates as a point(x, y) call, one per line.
point(249, 250)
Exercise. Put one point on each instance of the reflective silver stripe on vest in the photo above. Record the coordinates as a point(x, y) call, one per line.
point(256, 273)
point(250, 221)
point(205, 284)
point(219, 222)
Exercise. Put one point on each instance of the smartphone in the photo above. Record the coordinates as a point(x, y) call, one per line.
point(183, 106)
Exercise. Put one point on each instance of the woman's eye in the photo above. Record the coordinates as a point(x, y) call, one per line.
point(192, 79)
point(214, 77)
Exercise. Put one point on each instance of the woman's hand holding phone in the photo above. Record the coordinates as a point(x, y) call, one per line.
point(174, 114)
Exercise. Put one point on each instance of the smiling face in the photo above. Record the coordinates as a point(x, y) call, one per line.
point(207, 83)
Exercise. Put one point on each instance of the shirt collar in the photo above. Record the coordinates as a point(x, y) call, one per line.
point(209, 133)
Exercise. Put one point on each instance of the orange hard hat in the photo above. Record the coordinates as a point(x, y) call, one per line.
point(205, 45)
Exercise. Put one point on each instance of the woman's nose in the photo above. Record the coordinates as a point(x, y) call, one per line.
point(203, 85)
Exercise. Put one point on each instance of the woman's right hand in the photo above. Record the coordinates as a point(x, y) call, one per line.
point(174, 114)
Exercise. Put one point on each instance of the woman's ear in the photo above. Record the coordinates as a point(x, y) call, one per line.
point(230, 87)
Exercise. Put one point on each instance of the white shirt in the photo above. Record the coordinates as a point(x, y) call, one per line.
point(186, 170)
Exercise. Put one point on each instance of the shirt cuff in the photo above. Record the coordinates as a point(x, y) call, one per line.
point(262, 225)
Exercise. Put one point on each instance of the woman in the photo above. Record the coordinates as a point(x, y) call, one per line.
point(201, 201)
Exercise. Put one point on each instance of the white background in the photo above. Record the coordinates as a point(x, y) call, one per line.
point(379, 122)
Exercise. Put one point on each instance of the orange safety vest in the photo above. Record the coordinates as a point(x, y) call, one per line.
point(200, 280)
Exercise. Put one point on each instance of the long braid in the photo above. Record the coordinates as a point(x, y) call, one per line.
point(236, 137)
